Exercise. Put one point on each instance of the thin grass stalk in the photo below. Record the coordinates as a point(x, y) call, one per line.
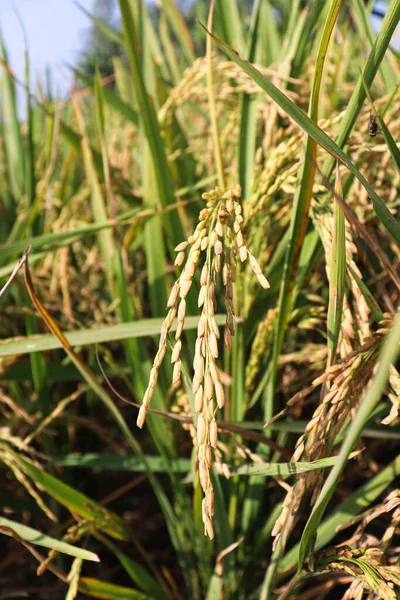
point(211, 99)
point(337, 274)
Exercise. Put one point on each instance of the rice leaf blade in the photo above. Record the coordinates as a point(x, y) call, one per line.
point(33, 536)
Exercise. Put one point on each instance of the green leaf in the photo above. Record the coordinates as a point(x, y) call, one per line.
point(110, 97)
point(337, 274)
point(391, 144)
point(12, 133)
point(100, 462)
point(248, 112)
point(148, 117)
point(224, 532)
point(180, 29)
point(75, 501)
point(97, 200)
point(33, 536)
point(136, 572)
point(50, 240)
point(215, 587)
point(284, 469)
point(97, 335)
point(229, 21)
point(369, 298)
point(108, 591)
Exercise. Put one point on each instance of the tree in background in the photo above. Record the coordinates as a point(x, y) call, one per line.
point(99, 49)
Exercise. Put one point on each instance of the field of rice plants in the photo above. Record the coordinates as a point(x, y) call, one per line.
point(200, 278)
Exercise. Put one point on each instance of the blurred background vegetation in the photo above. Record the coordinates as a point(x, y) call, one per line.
point(101, 186)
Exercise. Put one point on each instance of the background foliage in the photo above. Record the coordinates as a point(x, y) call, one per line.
point(102, 186)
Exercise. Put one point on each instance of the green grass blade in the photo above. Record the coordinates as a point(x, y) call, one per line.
point(248, 114)
point(30, 179)
point(50, 241)
point(315, 13)
point(179, 28)
point(108, 591)
point(224, 532)
point(292, 41)
point(75, 501)
point(215, 587)
point(183, 465)
point(8, 269)
point(101, 126)
point(156, 260)
point(369, 298)
point(75, 139)
point(389, 354)
point(139, 575)
point(337, 274)
point(98, 204)
point(39, 373)
point(284, 469)
point(111, 98)
point(12, 134)
point(33, 536)
point(101, 462)
point(229, 21)
point(147, 25)
point(146, 103)
point(391, 144)
point(372, 431)
point(169, 50)
point(4, 183)
point(98, 335)
point(269, 38)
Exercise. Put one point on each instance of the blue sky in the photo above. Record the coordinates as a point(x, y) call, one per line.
point(55, 30)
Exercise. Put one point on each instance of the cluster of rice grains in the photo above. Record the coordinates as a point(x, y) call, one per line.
point(372, 562)
point(219, 238)
point(345, 384)
point(192, 91)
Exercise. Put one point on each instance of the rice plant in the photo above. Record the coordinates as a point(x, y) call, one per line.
point(199, 332)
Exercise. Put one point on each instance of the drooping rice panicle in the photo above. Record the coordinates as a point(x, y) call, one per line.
point(218, 237)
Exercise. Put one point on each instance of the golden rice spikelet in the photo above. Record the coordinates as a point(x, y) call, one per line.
point(219, 239)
